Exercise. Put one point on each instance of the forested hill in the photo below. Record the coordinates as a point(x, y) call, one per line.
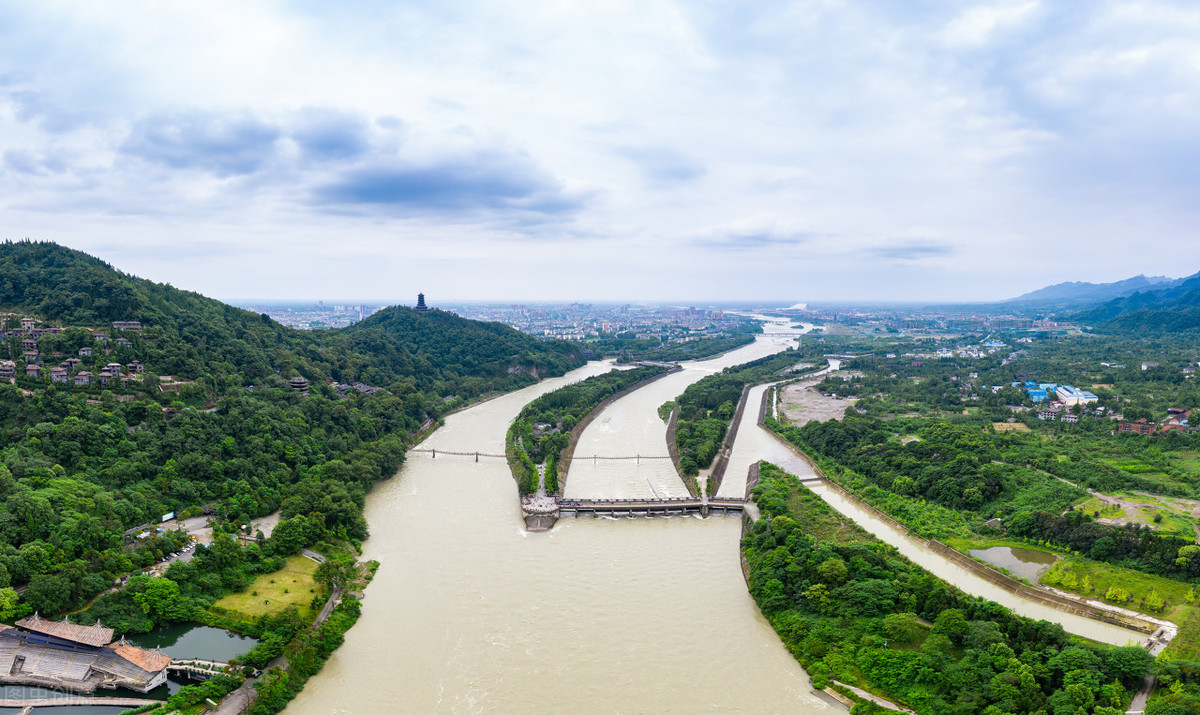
point(190, 336)
point(86, 454)
point(1172, 309)
point(411, 342)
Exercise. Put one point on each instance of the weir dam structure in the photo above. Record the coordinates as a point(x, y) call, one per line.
point(656, 506)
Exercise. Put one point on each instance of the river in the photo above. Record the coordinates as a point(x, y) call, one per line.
point(470, 613)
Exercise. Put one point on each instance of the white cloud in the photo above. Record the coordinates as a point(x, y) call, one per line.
point(873, 139)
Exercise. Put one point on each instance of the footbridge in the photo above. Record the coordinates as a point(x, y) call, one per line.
point(433, 454)
point(196, 668)
point(677, 506)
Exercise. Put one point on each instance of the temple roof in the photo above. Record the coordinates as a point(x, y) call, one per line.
point(150, 660)
point(96, 635)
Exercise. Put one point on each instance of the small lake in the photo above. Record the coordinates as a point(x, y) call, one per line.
point(1025, 563)
point(188, 640)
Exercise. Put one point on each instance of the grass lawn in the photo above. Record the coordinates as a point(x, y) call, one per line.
point(1011, 427)
point(293, 585)
point(1137, 584)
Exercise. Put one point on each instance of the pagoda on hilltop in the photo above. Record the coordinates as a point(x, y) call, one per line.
point(421, 307)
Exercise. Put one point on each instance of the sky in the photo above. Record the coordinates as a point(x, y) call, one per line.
point(576, 150)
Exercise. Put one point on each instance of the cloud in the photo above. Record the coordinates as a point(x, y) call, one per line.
point(223, 144)
point(325, 134)
point(913, 250)
point(483, 181)
point(752, 234)
point(661, 165)
point(24, 161)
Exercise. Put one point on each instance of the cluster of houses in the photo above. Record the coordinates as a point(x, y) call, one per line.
point(1176, 421)
point(69, 372)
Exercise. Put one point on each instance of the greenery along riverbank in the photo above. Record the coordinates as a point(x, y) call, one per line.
point(851, 609)
point(627, 347)
point(542, 430)
point(707, 406)
point(234, 435)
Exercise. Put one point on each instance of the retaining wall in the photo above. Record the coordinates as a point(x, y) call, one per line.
point(722, 462)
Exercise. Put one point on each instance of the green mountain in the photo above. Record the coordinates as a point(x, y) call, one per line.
point(81, 464)
point(190, 336)
point(1174, 308)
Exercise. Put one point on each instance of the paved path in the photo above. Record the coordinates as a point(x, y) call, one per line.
point(25, 703)
point(1138, 705)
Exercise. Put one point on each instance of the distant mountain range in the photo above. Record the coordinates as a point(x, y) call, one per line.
point(1140, 304)
point(1078, 293)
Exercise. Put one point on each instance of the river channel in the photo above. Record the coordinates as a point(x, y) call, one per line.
point(470, 613)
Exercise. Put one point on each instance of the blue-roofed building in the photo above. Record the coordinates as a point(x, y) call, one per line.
point(1037, 394)
point(1030, 383)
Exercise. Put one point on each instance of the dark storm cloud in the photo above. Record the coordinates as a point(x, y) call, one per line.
point(218, 143)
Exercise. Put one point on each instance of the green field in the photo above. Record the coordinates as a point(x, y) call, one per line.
point(293, 585)
point(1139, 586)
point(1174, 518)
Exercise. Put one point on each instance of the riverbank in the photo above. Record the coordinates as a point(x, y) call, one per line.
point(1155, 630)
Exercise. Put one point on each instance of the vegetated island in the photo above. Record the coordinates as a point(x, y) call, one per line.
point(707, 407)
point(541, 440)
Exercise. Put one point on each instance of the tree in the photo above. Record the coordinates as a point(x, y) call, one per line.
point(1154, 601)
point(8, 603)
point(902, 627)
point(833, 570)
point(48, 593)
point(160, 599)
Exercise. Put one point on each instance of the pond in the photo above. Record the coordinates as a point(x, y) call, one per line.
point(1024, 563)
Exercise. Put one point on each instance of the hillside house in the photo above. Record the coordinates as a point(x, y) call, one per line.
point(123, 342)
point(8, 369)
point(32, 370)
point(29, 344)
point(32, 356)
point(83, 379)
point(85, 352)
point(100, 338)
point(136, 367)
point(71, 363)
point(124, 325)
point(59, 374)
point(1142, 426)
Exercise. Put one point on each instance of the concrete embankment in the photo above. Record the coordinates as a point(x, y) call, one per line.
point(722, 461)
